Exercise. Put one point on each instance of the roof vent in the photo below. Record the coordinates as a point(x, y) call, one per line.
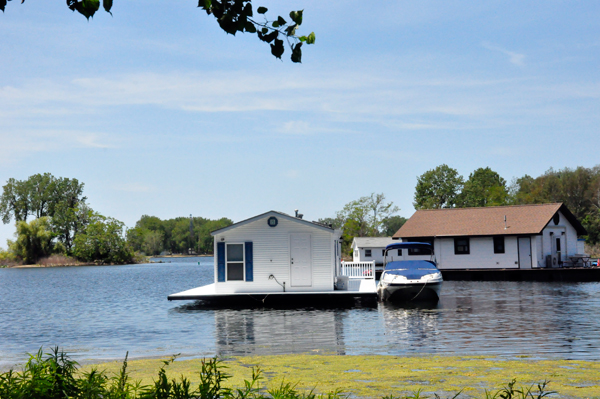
point(296, 210)
point(505, 227)
point(300, 216)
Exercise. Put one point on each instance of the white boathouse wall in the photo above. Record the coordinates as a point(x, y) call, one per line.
point(481, 254)
point(271, 255)
point(547, 241)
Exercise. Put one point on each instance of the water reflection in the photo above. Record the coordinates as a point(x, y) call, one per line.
point(271, 331)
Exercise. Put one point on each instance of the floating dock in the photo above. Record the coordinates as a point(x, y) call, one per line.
point(364, 289)
point(574, 274)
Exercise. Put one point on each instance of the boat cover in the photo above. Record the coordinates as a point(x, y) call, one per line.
point(411, 269)
point(409, 245)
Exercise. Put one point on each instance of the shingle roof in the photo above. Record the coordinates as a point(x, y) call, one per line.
point(372, 242)
point(452, 222)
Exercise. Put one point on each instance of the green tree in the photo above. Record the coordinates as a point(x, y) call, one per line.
point(335, 222)
point(34, 240)
point(103, 240)
point(438, 188)
point(578, 189)
point(233, 16)
point(363, 217)
point(14, 202)
point(67, 222)
point(392, 224)
point(153, 242)
point(38, 196)
point(483, 188)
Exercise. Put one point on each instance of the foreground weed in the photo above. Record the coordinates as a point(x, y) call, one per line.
point(55, 376)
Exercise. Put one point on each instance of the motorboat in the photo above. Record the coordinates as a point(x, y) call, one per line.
point(408, 275)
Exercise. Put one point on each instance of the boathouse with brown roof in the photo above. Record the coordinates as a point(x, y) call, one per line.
point(502, 237)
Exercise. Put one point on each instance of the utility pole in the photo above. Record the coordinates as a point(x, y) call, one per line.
point(192, 241)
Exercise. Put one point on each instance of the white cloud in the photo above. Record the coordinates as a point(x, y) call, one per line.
point(513, 58)
point(19, 142)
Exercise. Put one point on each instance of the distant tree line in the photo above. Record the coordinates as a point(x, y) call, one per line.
point(62, 222)
point(153, 236)
point(578, 189)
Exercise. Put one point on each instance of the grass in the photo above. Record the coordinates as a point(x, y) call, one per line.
point(392, 376)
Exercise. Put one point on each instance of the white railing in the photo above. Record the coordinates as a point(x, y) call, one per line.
point(358, 270)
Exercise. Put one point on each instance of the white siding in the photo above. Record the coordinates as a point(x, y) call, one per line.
point(271, 248)
point(376, 255)
point(563, 229)
point(481, 254)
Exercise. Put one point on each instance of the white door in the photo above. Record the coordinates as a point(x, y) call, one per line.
point(300, 260)
point(525, 252)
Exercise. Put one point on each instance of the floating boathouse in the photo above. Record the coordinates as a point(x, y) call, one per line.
point(521, 237)
point(277, 255)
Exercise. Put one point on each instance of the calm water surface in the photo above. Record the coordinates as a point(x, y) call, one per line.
point(99, 313)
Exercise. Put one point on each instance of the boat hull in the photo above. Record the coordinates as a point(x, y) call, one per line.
point(410, 291)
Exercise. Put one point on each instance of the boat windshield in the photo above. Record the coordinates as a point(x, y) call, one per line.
point(411, 265)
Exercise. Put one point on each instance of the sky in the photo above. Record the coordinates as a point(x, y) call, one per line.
point(160, 112)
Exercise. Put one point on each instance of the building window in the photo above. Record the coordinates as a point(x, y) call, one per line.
point(498, 245)
point(235, 262)
point(367, 253)
point(419, 251)
point(356, 253)
point(558, 245)
point(399, 252)
point(461, 246)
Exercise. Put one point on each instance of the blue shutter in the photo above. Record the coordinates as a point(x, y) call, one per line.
point(249, 262)
point(220, 261)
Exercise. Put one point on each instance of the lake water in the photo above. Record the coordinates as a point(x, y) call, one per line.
point(99, 313)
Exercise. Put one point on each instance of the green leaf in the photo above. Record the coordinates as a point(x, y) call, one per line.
point(291, 30)
point(296, 16)
point(268, 38)
point(302, 38)
point(262, 10)
point(248, 9)
point(281, 21)
point(107, 4)
point(311, 38)
point(205, 4)
point(264, 30)
point(88, 7)
point(297, 53)
point(250, 27)
point(275, 24)
point(2, 5)
point(277, 48)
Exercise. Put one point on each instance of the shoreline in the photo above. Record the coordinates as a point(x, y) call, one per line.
point(367, 376)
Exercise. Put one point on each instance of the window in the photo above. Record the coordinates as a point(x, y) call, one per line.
point(461, 246)
point(498, 245)
point(235, 262)
point(418, 251)
point(383, 252)
point(399, 252)
point(558, 245)
point(356, 252)
point(367, 253)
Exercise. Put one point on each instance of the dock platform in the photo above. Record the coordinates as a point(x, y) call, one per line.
point(364, 289)
point(574, 274)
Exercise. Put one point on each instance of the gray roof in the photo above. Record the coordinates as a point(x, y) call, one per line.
point(372, 242)
point(274, 213)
